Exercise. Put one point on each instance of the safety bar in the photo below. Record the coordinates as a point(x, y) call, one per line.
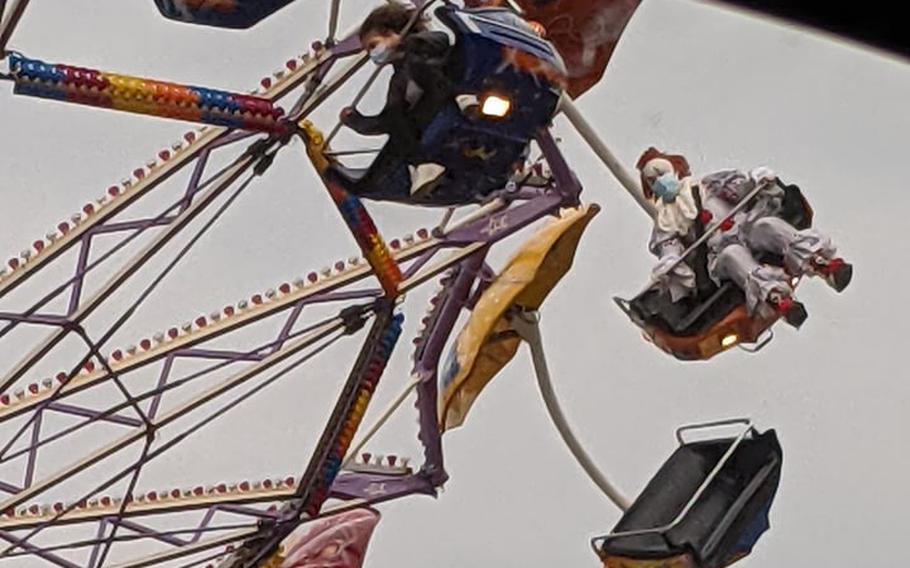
point(597, 542)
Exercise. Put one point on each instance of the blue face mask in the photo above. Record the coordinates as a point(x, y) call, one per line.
point(381, 54)
point(666, 187)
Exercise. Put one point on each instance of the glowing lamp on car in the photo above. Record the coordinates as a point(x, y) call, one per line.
point(495, 106)
point(729, 341)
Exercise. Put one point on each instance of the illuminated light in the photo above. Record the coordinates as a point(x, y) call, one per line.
point(496, 106)
point(729, 341)
point(794, 282)
point(538, 28)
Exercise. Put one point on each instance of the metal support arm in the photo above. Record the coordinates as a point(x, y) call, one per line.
point(526, 324)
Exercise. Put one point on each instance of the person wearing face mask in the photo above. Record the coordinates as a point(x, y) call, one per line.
point(418, 89)
point(686, 207)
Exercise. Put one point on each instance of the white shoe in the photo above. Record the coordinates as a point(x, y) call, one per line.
point(424, 176)
point(467, 102)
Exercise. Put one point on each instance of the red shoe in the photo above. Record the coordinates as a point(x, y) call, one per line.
point(836, 272)
point(792, 311)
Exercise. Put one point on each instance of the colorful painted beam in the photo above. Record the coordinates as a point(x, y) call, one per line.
point(143, 96)
point(354, 213)
point(370, 373)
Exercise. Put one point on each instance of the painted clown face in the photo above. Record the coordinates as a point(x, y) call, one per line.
point(339, 541)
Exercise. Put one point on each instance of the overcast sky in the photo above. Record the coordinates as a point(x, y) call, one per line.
point(725, 89)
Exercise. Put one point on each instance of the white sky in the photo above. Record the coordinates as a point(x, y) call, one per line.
point(726, 90)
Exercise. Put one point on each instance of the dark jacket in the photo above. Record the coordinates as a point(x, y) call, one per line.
point(422, 71)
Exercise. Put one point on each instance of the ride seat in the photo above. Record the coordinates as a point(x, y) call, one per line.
point(722, 523)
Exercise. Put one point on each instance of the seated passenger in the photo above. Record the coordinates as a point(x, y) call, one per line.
point(419, 87)
point(687, 206)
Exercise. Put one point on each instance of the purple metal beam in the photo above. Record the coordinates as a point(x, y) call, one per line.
point(567, 183)
point(420, 263)
point(97, 415)
point(143, 530)
point(133, 225)
point(37, 319)
point(162, 381)
point(204, 524)
point(81, 264)
point(376, 488)
point(230, 137)
point(52, 558)
point(427, 365)
point(247, 511)
point(219, 355)
point(33, 450)
point(193, 186)
point(288, 327)
point(102, 529)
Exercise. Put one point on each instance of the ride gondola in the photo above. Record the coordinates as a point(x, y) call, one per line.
point(516, 78)
point(706, 507)
point(715, 319)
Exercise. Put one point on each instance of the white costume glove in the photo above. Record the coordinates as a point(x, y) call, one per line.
point(763, 174)
point(681, 274)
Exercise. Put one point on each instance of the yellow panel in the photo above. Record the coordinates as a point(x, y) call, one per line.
point(487, 343)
